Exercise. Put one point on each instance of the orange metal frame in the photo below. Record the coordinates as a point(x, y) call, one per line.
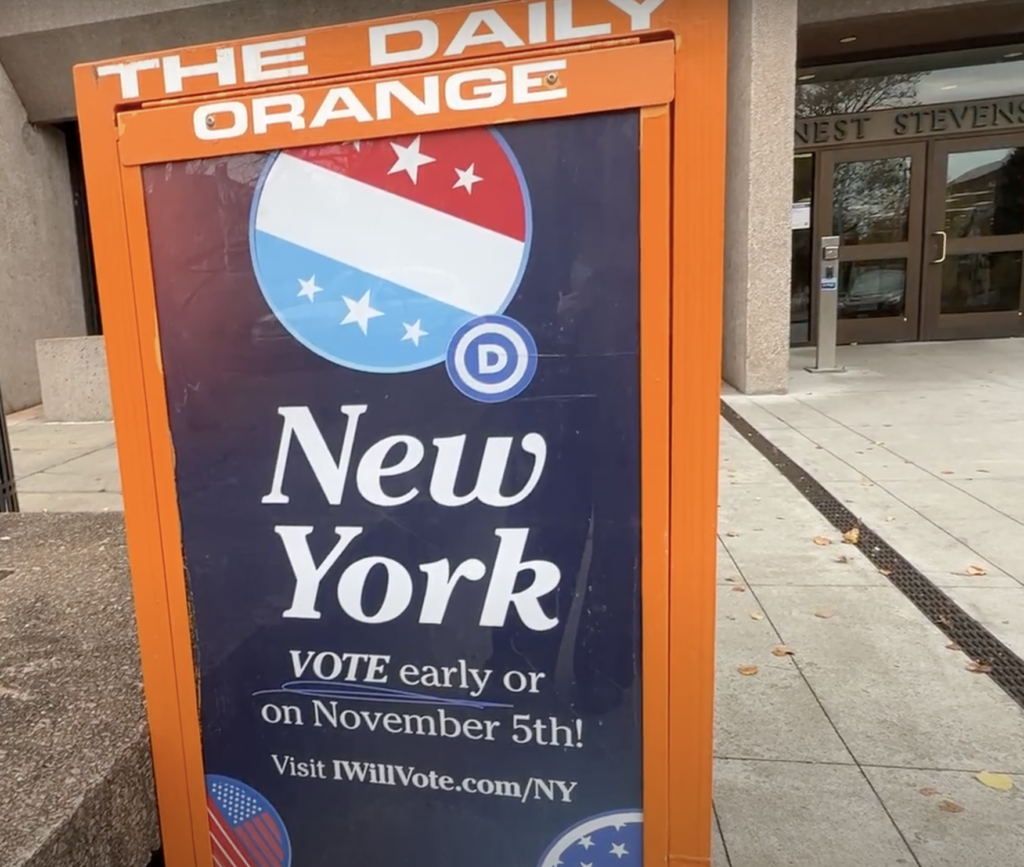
point(674, 70)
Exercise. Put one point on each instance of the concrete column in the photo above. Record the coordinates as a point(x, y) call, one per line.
point(40, 277)
point(759, 189)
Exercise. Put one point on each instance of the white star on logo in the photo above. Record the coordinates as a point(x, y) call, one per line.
point(467, 178)
point(309, 288)
point(360, 311)
point(586, 842)
point(619, 850)
point(409, 159)
point(414, 332)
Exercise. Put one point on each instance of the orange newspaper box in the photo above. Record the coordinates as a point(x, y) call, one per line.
point(413, 332)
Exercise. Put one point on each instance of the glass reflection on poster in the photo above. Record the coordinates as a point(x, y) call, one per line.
point(403, 384)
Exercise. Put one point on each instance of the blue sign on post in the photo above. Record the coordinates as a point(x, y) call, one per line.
point(403, 383)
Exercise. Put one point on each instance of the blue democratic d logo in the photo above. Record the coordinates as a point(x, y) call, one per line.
point(492, 359)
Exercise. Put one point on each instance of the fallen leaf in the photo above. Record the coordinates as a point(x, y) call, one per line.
point(886, 572)
point(732, 534)
point(942, 619)
point(783, 650)
point(756, 615)
point(731, 580)
point(976, 571)
point(729, 617)
point(999, 782)
point(947, 472)
point(889, 519)
point(950, 807)
point(867, 483)
point(842, 558)
point(928, 791)
point(747, 670)
point(822, 541)
point(824, 613)
point(852, 536)
point(979, 667)
point(953, 646)
point(739, 589)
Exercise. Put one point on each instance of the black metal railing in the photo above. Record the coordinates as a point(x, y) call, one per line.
point(8, 494)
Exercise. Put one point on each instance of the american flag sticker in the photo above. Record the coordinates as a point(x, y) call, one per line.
point(245, 830)
point(374, 254)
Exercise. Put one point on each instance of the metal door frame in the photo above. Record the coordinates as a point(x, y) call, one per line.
point(891, 329)
point(936, 325)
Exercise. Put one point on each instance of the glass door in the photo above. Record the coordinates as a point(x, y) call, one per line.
point(802, 262)
point(974, 239)
point(873, 199)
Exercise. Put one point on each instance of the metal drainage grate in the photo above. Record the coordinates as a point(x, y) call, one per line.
point(995, 658)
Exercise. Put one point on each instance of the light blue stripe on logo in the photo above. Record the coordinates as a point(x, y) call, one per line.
point(403, 330)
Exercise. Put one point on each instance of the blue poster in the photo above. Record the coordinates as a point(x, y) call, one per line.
point(403, 385)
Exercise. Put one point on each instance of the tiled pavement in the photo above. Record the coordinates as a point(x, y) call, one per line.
point(862, 747)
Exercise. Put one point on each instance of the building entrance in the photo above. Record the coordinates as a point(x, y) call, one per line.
point(932, 236)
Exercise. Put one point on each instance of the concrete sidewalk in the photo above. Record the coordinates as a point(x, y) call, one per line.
point(923, 442)
point(862, 747)
point(64, 467)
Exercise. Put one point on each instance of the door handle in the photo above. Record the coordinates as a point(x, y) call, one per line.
point(942, 255)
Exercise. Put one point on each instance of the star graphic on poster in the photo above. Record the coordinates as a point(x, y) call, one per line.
point(414, 332)
point(309, 288)
point(586, 842)
point(360, 312)
point(409, 159)
point(467, 178)
point(619, 850)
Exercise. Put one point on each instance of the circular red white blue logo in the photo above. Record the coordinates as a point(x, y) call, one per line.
point(245, 829)
point(374, 254)
point(608, 839)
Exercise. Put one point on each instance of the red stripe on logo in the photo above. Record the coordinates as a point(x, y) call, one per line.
point(249, 839)
point(469, 175)
point(223, 840)
point(270, 833)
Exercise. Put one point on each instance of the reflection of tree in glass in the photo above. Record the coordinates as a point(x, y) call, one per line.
point(871, 200)
point(1008, 218)
point(986, 199)
point(857, 95)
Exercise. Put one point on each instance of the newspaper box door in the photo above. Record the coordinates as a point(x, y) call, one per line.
point(393, 402)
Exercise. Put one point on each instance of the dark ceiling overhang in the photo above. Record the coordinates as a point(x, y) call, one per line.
point(947, 27)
